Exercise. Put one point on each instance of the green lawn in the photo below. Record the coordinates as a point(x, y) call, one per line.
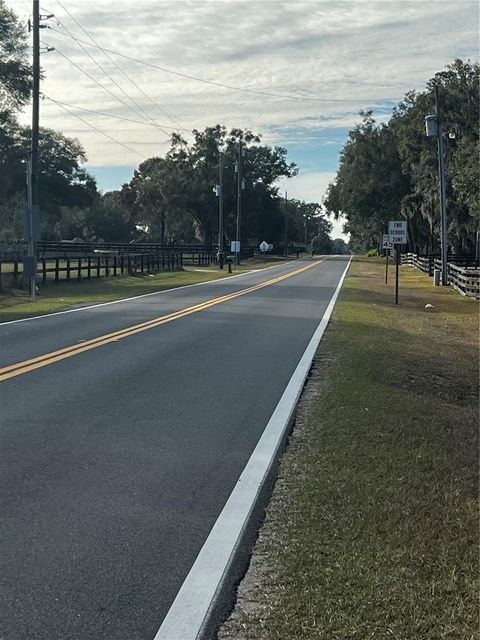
point(372, 530)
point(57, 296)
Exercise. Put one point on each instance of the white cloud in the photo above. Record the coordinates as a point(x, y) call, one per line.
point(362, 52)
point(312, 187)
point(308, 186)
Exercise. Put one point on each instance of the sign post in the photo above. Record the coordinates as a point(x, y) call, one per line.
point(397, 268)
point(397, 230)
point(386, 245)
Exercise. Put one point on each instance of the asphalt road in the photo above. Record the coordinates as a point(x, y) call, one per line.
point(115, 462)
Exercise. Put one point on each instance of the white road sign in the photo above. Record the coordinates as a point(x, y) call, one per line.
point(397, 230)
point(387, 243)
point(235, 246)
point(264, 246)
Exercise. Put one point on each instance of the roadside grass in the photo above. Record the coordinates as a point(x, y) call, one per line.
point(58, 296)
point(371, 531)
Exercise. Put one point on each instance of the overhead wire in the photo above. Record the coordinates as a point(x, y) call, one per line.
point(138, 108)
point(103, 133)
point(279, 138)
point(94, 44)
point(90, 77)
point(108, 115)
point(137, 111)
point(122, 71)
point(223, 85)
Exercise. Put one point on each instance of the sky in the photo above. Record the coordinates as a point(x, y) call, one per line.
point(298, 72)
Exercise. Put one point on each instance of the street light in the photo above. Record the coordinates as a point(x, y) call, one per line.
point(433, 129)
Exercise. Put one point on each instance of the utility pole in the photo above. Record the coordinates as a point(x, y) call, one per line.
point(286, 224)
point(239, 200)
point(221, 254)
point(30, 265)
point(32, 225)
point(35, 100)
point(305, 229)
point(443, 197)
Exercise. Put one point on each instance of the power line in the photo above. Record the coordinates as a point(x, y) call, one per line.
point(102, 86)
point(139, 109)
point(287, 137)
point(219, 84)
point(281, 139)
point(103, 133)
point(108, 56)
point(107, 115)
point(138, 106)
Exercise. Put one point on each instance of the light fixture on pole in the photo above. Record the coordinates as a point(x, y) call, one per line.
point(433, 129)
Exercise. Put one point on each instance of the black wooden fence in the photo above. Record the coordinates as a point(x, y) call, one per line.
point(98, 266)
point(64, 248)
point(463, 271)
point(75, 261)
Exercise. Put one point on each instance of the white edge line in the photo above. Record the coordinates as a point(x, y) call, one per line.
point(189, 611)
point(143, 295)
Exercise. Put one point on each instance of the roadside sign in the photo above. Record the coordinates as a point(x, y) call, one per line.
point(387, 243)
point(264, 246)
point(397, 230)
point(235, 246)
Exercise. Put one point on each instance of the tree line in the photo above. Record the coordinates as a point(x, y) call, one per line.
point(389, 170)
point(168, 199)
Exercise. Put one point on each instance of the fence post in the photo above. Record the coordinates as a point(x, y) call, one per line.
point(79, 269)
point(98, 266)
point(142, 263)
point(114, 265)
point(68, 267)
point(44, 270)
point(15, 271)
point(89, 267)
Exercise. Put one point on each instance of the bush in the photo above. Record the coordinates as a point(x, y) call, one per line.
point(372, 253)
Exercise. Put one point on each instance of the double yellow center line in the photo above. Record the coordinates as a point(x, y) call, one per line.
point(19, 368)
